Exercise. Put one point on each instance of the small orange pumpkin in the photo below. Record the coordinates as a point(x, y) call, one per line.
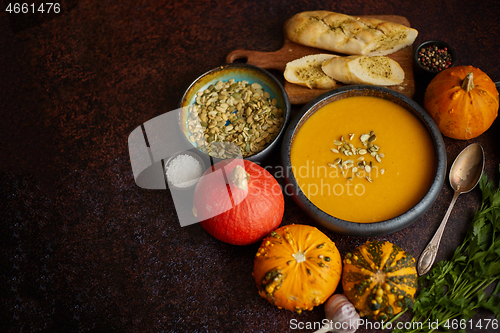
point(297, 267)
point(463, 101)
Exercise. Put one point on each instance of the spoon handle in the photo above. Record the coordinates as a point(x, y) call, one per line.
point(429, 254)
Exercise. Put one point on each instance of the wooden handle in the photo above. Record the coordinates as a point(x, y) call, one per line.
point(266, 60)
point(274, 60)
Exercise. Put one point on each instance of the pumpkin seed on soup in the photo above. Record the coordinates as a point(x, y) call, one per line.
point(347, 148)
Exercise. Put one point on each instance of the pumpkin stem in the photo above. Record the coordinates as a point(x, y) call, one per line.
point(240, 177)
point(299, 256)
point(468, 82)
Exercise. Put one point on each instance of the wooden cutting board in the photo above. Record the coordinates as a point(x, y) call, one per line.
point(290, 51)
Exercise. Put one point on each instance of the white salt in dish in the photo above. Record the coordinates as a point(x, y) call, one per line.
point(184, 169)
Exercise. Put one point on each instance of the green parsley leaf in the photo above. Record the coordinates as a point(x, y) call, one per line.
point(455, 288)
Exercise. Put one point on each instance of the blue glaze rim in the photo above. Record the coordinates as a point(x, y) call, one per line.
point(365, 229)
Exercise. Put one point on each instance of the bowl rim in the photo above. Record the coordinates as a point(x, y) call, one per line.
point(432, 42)
point(287, 108)
point(376, 228)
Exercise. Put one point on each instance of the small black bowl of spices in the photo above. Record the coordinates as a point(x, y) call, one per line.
point(432, 57)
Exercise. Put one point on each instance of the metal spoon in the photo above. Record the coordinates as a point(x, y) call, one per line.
point(464, 176)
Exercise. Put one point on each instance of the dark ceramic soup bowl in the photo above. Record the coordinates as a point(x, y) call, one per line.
point(375, 228)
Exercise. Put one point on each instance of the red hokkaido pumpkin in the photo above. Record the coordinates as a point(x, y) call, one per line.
point(238, 202)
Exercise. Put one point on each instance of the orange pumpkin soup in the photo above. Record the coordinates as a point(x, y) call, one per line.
point(363, 159)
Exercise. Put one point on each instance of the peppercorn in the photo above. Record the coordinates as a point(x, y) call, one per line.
point(434, 58)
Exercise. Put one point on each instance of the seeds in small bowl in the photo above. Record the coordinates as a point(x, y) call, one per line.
point(434, 58)
point(234, 117)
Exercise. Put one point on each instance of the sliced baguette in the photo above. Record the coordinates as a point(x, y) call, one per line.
point(378, 70)
point(306, 71)
point(346, 34)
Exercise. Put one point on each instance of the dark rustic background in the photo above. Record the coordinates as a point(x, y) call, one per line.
point(86, 250)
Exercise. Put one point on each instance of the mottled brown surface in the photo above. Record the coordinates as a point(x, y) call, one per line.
point(86, 250)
